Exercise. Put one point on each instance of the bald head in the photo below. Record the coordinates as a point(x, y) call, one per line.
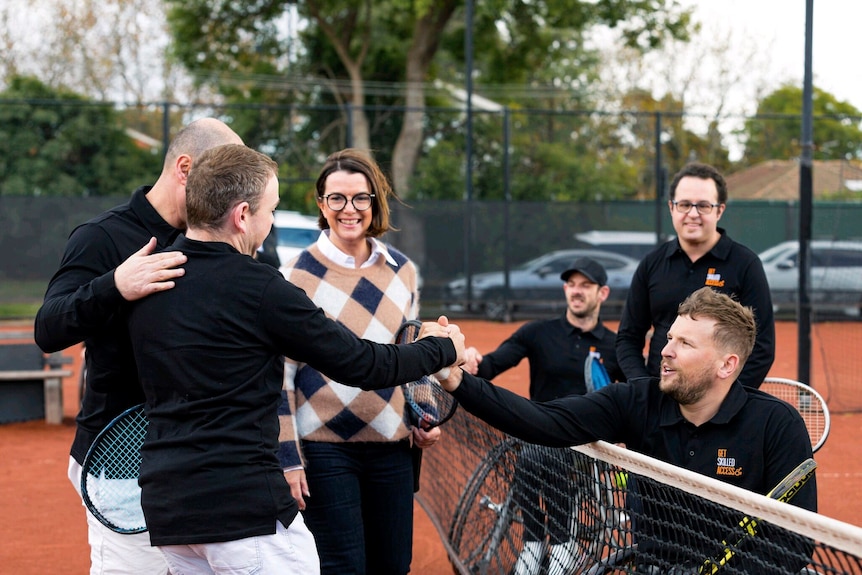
point(199, 136)
point(168, 194)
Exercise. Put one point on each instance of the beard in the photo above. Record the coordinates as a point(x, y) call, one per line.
point(687, 389)
point(588, 310)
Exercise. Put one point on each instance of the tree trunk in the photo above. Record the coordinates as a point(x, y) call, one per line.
point(358, 117)
point(426, 40)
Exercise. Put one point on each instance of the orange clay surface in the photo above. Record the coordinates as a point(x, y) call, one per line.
point(42, 525)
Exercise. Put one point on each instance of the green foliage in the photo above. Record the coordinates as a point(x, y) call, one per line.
point(776, 131)
point(555, 157)
point(54, 142)
point(234, 47)
point(440, 173)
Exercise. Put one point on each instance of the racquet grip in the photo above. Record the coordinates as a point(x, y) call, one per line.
point(443, 374)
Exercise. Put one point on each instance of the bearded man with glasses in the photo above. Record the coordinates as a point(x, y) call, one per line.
point(701, 255)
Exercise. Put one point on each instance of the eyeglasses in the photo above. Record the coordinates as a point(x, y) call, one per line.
point(338, 202)
point(703, 208)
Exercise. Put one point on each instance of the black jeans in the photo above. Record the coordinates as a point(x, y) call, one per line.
point(361, 506)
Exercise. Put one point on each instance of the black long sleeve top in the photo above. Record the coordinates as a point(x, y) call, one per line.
point(210, 355)
point(666, 276)
point(753, 442)
point(557, 351)
point(82, 303)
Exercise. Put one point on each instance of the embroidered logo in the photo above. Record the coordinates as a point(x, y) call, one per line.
point(726, 465)
point(713, 279)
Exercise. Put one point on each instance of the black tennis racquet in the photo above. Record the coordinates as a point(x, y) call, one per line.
point(109, 476)
point(786, 489)
point(431, 404)
point(595, 374)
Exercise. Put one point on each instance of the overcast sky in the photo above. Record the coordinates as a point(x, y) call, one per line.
point(779, 27)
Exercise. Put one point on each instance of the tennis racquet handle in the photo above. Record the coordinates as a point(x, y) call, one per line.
point(443, 374)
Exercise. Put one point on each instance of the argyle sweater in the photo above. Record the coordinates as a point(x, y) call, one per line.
point(372, 302)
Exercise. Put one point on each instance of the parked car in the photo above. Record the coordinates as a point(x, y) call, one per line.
point(536, 285)
point(836, 275)
point(633, 244)
point(295, 232)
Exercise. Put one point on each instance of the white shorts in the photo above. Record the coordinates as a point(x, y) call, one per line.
point(290, 551)
point(114, 553)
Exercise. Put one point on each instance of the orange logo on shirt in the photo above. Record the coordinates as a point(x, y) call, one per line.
point(713, 279)
point(726, 465)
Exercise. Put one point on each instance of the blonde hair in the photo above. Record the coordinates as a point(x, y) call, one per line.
point(735, 328)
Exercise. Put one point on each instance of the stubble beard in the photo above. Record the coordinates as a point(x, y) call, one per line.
point(687, 389)
point(585, 313)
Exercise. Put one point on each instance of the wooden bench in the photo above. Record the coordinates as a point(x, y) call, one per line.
point(31, 383)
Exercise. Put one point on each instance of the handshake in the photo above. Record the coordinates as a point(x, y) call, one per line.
point(449, 377)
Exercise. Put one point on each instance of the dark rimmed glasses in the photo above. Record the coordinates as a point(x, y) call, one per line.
point(338, 202)
point(684, 207)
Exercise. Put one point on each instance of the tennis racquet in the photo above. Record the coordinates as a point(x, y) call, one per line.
point(810, 404)
point(431, 404)
point(109, 476)
point(786, 489)
point(595, 374)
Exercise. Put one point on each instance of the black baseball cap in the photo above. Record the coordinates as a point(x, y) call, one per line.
point(590, 268)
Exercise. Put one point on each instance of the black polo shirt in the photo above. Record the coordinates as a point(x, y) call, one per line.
point(753, 441)
point(82, 303)
point(666, 276)
point(557, 351)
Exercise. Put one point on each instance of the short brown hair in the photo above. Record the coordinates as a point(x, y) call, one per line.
point(704, 172)
point(735, 328)
point(354, 161)
point(221, 178)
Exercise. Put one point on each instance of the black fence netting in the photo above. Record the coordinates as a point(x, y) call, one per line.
point(504, 506)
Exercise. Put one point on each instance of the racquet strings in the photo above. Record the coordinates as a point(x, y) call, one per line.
point(429, 401)
point(810, 406)
point(109, 478)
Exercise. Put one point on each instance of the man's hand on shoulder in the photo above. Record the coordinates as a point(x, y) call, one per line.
point(144, 272)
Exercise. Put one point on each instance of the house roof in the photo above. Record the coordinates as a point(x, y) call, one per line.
point(779, 180)
point(142, 140)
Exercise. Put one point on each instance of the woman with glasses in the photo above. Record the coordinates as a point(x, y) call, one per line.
point(352, 470)
point(701, 255)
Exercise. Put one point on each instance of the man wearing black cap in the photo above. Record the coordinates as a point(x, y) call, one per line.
point(557, 350)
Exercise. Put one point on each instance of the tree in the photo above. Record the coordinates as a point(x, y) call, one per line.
point(55, 142)
point(679, 144)
point(351, 46)
point(704, 87)
point(106, 49)
point(775, 132)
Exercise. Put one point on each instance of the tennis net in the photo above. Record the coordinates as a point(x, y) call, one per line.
point(503, 507)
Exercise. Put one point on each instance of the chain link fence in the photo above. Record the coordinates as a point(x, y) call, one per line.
point(538, 177)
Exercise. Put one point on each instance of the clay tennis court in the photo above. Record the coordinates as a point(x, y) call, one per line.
point(42, 526)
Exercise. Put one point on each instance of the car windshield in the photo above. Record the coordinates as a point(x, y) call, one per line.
point(535, 263)
point(776, 252)
point(296, 237)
